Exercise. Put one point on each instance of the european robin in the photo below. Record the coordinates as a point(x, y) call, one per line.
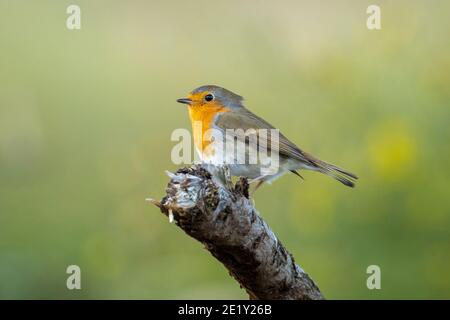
point(212, 108)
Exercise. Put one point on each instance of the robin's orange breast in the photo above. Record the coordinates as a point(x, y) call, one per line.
point(202, 119)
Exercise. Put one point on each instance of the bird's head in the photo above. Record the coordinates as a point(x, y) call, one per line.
point(212, 97)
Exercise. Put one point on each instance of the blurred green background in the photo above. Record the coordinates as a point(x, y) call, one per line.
point(86, 118)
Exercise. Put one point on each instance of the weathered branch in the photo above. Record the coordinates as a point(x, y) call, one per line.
point(210, 209)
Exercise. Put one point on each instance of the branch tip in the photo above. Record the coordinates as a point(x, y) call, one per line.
point(154, 202)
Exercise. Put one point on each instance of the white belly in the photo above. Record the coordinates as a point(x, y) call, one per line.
point(217, 154)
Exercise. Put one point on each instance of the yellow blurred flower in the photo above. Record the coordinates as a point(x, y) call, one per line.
point(392, 149)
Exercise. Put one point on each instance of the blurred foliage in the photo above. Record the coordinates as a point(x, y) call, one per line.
point(86, 118)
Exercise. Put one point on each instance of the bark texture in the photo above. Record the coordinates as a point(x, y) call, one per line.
point(208, 207)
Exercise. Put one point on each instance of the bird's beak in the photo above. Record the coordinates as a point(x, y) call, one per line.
point(185, 101)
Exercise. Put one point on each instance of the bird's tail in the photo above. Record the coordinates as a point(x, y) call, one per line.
point(343, 176)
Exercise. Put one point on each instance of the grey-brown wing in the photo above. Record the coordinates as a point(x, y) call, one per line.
point(245, 120)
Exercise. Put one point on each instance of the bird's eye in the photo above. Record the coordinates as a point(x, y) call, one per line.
point(209, 97)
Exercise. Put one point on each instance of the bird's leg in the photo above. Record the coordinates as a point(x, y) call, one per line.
point(250, 181)
point(260, 182)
